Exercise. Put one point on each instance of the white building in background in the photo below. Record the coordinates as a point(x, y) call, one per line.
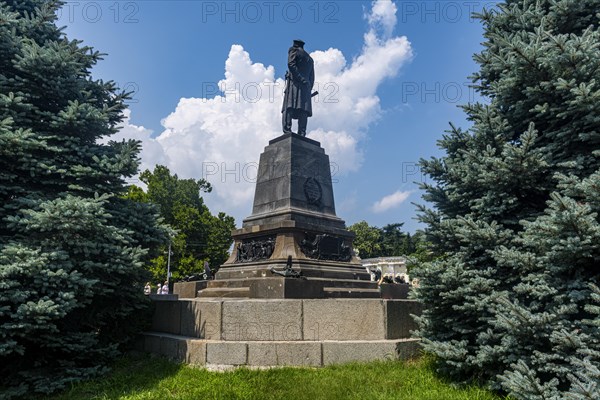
point(393, 266)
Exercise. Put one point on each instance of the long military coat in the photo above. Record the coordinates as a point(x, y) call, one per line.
point(300, 79)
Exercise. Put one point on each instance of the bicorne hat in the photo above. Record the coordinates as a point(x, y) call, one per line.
point(299, 42)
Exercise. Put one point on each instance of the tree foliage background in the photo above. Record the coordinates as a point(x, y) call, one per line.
point(513, 300)
point(390, 240)
point(72, 248)
point(198, 235)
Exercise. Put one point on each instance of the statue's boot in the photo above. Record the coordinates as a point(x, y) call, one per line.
point(286, 118)
point(302, 122)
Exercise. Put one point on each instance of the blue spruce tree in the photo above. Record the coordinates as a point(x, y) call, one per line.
point(72, 249)
point(550, 320)
point(515, 219)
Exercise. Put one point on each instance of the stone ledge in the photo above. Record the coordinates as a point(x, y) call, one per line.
point(344, 319)
point(188, 317)
point(226, 353)
point(219, 355)
point(290, 220)
point(335, 352)
point(293, 136)
point(175, 347)
point(284, 354)
point(286, 319)
point(258, 320)
point(200, 319)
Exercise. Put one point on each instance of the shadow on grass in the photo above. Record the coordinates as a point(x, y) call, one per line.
point(130, 375)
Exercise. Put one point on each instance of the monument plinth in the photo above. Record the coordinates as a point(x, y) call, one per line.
point(292, 245)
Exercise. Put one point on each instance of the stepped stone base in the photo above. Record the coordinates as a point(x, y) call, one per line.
point(274, 287)
point(320, 278)
point(274, 332)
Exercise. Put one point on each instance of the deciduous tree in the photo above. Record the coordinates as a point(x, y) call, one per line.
point(199, 236)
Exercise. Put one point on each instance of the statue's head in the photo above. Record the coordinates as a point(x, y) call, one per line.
point(298, 43)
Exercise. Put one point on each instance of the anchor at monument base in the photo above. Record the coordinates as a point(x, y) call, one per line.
point(288, 272)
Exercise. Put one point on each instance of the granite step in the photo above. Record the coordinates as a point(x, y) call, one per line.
point(346, 282)
point(342, 292)
point(234, 283)
point(225, 292)
point(217, 354)
point(309, 268)
point(278, 287)
point(243, 282)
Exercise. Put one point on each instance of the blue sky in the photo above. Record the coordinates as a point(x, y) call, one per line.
point(390, 74)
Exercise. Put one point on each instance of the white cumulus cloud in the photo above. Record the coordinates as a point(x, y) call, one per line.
point(390, 201)
point(383, 14)
point(152, 152)
point(220, 138)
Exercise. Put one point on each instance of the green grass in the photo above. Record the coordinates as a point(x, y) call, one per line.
point(145, 378)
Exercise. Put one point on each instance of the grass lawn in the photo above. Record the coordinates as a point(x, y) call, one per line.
point(144, 378)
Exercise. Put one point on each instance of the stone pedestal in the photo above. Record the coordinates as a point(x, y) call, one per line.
point(293, 223)
point(274, 332)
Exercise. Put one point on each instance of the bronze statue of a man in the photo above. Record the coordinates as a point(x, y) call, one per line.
point(300, 79)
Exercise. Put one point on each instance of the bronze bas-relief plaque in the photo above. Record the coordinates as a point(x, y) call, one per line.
point(313, 191)
point(255, 249)
point(325, 247)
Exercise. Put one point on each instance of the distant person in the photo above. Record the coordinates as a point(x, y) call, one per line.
point(207, 271)
point(386, 279)
point(147, 289)
point(165, 288)
point(376, 275)
point(158, 288)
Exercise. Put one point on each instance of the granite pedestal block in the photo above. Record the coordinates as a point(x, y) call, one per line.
point(277, 332)
point(287, 319)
